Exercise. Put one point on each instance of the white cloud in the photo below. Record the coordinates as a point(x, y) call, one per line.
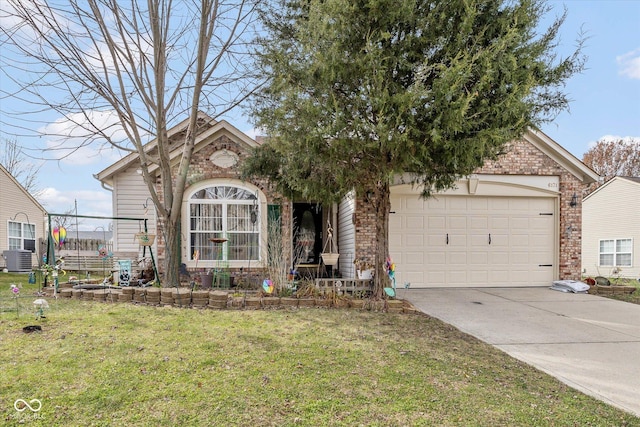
point(629, 64)
point(90, 203)
point(73, 139)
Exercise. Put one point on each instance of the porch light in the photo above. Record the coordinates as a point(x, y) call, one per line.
point(574, 201)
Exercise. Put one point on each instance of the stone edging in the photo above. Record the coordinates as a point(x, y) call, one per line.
point(220, 300)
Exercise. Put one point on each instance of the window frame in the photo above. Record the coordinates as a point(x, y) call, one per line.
point(224, 219)
point(615, 253)
point(25, 228)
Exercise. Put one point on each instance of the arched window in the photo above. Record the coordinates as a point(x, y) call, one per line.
point(224, 212)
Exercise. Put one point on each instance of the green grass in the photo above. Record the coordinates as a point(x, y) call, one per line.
point(101, 364)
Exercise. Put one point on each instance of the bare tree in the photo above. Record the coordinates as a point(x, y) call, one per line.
point(20, 166)
point(142, 65)
point(614, 157)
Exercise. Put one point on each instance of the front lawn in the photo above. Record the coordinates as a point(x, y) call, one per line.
point(106, 364)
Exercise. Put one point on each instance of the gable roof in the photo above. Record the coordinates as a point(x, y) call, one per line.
point(561, 156)
point(213, 130)
point(632, 179)
point(15, 181)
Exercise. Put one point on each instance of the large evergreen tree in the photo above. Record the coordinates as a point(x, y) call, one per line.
point(360, 91)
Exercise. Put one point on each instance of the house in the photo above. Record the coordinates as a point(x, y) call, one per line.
point(22, 225)
point(217, 203)
point(611, 229)
point(512, 223)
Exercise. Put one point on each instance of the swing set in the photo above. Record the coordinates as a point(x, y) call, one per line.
point(56, 236)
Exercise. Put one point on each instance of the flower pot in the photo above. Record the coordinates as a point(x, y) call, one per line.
point(206, 281)
point(145, 239)
point(365, 274)
point(330, 258)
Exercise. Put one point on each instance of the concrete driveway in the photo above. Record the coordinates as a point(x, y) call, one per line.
point(588, 342)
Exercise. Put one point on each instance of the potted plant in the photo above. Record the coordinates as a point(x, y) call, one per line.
point(364, 269)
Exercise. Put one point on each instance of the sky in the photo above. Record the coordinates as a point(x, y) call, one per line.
point(605, 102)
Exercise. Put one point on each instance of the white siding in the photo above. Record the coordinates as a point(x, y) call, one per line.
point(130, 194)
point(347, 235)
point(612, 212)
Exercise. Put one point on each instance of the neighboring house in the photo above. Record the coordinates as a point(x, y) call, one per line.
point(22, 225)
point(611, 229)
point(516, 222)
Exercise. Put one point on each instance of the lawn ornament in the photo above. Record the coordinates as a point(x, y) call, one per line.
point(40, 304)
point(103, 252)
point(267, 286)
point(59, 235)
point(390, 268)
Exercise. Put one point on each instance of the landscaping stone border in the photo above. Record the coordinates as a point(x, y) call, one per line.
point(219, 299)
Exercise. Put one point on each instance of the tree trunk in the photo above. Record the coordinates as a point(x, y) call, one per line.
point(171, 234)
point(382, 202)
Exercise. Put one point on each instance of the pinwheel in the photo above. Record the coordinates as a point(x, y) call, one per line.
point(267, 285)
point(390, 268)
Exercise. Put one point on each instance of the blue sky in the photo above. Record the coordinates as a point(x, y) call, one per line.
point(606, 101)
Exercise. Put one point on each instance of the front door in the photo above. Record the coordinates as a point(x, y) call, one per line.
point(307, 236)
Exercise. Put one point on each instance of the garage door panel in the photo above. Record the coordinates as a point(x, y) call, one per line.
point(457, 222)
point(499, 223)
point(479, 223)
point(413, 258)
point(430, 278)
point(498, 275)
point(478, 277)
point(456, 240)
point(413, 204)
point(458, 277)
point(539, 223)
point(452, 233)
point(520, 258)
point(496, 240)
point(478, 258)
point(519, 240)
point(435, 259)
point(415, 222)
point(436, 222)
point(457, 258)
point(479, 241)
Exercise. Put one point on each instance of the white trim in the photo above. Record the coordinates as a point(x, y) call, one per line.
point(262, 202)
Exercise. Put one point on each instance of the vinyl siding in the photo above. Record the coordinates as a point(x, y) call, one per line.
point(612, 212)
point(129, 196)
point(347, 235)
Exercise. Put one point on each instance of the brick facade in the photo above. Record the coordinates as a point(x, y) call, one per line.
point(203, 169)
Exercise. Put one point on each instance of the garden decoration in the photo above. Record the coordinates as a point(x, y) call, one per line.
point(105, 254)
point(59, 235)
point(53, 271)
point(124, 275)
point(15, 291)
point(40, 304)
point(267, 285)
point(221, 277)
point(390, 268)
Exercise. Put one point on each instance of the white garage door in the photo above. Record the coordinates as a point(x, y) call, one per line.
point(472, 240)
